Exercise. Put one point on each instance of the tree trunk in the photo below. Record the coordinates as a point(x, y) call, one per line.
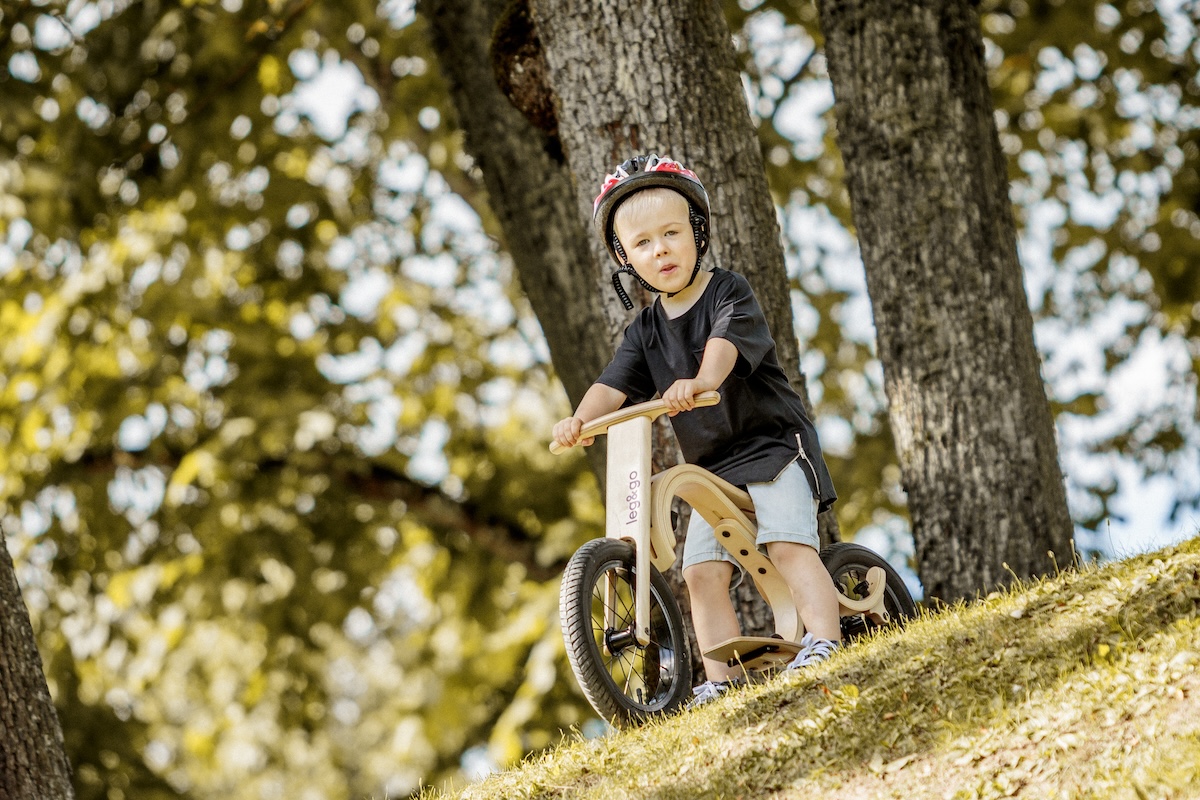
point(33, 763)
point(929, 190)
point(541, 180)
point(631, 76)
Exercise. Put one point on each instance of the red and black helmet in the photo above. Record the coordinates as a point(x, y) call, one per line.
point(645, 172)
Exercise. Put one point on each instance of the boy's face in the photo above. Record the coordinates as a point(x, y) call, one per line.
point(656, 233)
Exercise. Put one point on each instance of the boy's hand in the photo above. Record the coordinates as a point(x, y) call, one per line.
point(597, 401)
point(680, 396)
point(566, 432)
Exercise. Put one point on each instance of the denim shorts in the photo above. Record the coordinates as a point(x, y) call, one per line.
point(786, 512)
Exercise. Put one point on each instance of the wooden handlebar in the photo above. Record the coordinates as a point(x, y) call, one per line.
point(651, 408)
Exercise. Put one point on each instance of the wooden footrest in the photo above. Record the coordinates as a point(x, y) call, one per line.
point(754, 652)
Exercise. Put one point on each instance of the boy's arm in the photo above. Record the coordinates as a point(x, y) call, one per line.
point(739, 319)
point(720, 356)
point(597, 401)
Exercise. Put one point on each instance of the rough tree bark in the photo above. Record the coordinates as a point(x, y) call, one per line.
point(929, 190)
point(33, 763)
point(632, 76)
point(563, 65)
point(531, 192)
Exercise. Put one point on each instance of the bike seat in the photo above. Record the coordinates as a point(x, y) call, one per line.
point(698, 488)
point(715, 499)
point(692, 473)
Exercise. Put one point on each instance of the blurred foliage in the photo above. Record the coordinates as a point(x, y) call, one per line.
point(266, 405)
point(273, 412)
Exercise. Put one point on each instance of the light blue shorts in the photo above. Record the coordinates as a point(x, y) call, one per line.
point(786, 512)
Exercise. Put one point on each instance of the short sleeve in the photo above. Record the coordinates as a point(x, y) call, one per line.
point(628, 371)
point(738, 318)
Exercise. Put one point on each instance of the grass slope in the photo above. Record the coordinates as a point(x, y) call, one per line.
point(1080, 686)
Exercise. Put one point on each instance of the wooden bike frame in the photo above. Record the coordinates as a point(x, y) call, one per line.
point(638, 510)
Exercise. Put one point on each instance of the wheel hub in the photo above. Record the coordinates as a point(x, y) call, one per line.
point(615, 641)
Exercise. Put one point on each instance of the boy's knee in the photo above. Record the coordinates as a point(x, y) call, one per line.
point(708, 576)
point(786, 551)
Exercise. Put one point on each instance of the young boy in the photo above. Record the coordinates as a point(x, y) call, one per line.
point(706, 331)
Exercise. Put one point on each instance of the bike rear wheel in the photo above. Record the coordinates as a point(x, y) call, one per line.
point(847, 564)
point(625, 682)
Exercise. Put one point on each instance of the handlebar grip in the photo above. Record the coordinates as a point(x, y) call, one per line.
point(651, 408)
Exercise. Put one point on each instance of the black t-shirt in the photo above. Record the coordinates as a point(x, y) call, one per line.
point(760, 426)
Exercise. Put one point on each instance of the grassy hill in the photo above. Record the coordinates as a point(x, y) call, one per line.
point(1080, 686)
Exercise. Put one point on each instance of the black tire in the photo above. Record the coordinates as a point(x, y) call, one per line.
point(630, 683)
point(847, 564)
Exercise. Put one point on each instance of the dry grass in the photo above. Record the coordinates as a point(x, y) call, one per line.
point(1080, 686)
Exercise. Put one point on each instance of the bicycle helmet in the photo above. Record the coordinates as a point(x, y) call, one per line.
point(645, 172)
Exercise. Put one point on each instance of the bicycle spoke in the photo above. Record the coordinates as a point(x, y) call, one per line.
point(628, 665)
point(630, 677)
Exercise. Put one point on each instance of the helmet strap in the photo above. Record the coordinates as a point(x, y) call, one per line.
point(621, 293)
point(695, 272)
point(627, 268)
point(699, 233)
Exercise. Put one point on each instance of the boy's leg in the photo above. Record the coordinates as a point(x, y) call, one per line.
point(812, 589)
point(787, 527)
point(707, 571)
point(713, 616)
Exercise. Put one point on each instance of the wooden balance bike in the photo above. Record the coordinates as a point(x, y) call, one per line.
point(621, 623)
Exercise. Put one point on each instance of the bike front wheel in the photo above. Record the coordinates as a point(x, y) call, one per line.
point(624, 681)
point(847, 564)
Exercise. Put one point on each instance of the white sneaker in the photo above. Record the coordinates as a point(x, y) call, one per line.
point(812, 651)
point(706, 693)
